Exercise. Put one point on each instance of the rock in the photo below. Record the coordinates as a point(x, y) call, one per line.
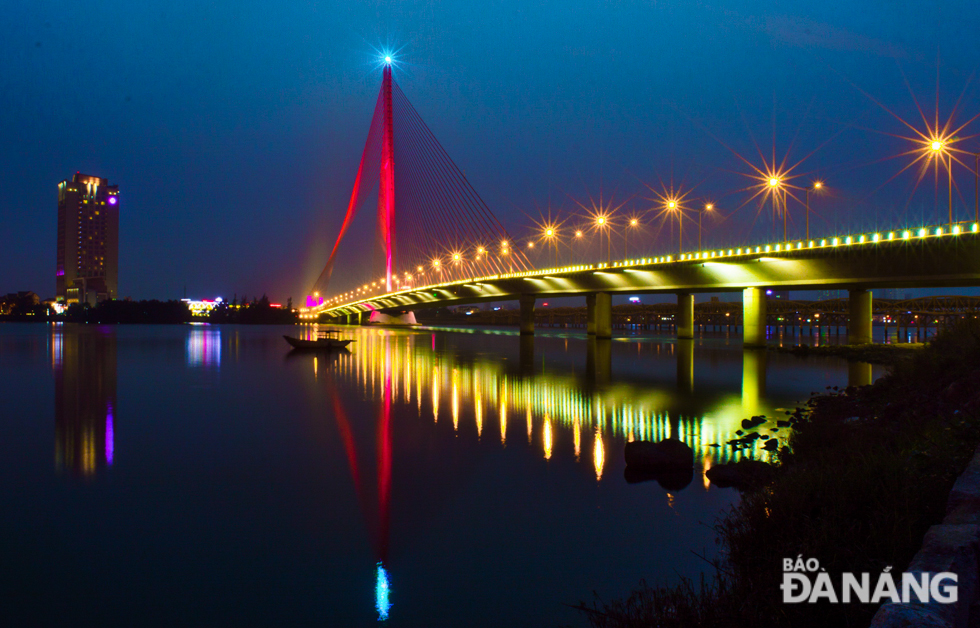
point(753, 422)
point(783, 423)
point(742, 474)
point(945, 548)
point(665, 455)
point(739, 432)
point(771, 445)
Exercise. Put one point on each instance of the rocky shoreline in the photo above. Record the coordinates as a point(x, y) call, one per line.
point(865, 473)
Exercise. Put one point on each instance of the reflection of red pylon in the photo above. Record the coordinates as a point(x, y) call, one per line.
point(384, 466)
point(384, 451)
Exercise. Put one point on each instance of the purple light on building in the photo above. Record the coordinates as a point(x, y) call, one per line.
point(310, 302)
point(113, 200)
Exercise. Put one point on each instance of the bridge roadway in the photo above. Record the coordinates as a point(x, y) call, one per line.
point(904, 258)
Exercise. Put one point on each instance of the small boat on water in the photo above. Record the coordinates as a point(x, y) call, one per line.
point(325, 340)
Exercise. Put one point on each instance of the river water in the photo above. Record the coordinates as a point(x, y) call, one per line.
point(207, 475)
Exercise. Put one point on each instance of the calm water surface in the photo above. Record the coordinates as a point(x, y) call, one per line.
point(206, 475)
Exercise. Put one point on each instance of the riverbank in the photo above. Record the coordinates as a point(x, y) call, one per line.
point(866, 472)
point(888, 354)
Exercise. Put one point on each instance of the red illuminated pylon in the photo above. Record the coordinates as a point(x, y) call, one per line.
point(386, 194)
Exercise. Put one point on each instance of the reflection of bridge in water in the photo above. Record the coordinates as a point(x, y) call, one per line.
point(789, 316)
point(506, 400)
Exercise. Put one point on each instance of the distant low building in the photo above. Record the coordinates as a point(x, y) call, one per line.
point(87, 269)
point(18, 302)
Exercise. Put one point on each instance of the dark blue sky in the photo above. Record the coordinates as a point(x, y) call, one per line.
point(233, 129)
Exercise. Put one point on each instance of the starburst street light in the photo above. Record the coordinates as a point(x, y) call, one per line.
point(549, 232)
point(632, 224)
point(816, 187)
point(707, 208)
point(934, 144)
point(670, 203)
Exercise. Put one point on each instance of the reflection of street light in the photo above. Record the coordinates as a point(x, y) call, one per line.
point(817, 186)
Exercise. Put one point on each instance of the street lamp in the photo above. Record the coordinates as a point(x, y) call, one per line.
point(938, 147)
point(776, 185)
point(632, 224)
point(550, 233)
point(674, 206)
point(817, 186)
point(602, 224)
point(976, 182)
point(707, 208)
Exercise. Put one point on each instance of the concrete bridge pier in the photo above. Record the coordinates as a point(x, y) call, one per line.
point(598, 306)
point(685, 315)
point(859, 326)
point(754, 317)
point(527, 314)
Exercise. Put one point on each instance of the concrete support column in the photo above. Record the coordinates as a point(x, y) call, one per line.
point(527, 314)
point(590, 314)
point(754, 317)
point(602, 315)
point(685, 315)
point(859, 326)
point(360, 318)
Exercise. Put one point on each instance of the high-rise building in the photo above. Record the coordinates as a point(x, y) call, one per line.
point(88, 240)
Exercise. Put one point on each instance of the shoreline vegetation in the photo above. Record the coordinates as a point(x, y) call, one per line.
point(888, 354)
point(866, 472)
point(258, 311)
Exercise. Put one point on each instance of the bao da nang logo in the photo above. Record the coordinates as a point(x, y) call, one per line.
point(806, 581)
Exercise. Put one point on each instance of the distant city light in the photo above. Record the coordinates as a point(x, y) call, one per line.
point(112, 200)
point(634, 299)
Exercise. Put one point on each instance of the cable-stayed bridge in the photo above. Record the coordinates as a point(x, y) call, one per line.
point(442, 245)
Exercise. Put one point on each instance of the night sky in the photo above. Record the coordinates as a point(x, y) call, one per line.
point(234, 128)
